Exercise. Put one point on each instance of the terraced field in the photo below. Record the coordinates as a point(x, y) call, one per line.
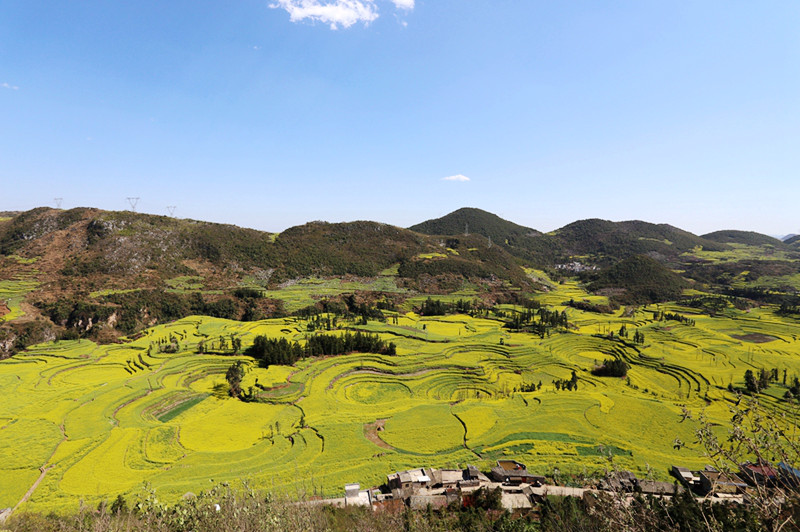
point(94, 421)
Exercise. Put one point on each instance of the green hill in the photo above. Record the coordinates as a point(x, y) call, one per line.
point(749, 238)
point(469, 220)
point(607, 242)
point(601, 242)
point(640, 280)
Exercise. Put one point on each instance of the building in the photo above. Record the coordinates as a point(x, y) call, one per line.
point(355, 496)
point(690, 479)
point(789, 476)
point(411, 479)
point(619, 481)
point(715, 482)
point(654, 487)
point(759, 474)
point(515, 473)
point(422, 502)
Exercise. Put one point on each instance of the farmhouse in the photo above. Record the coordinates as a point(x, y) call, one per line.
point(515, 473)
point(715, 483)
point(789, 475)
point(759, 474)
point(413, 478)
point(690, 479)
point(654, 487)
point(355, 496)
point(619, 481)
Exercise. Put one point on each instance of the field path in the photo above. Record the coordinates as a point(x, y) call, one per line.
point(27, 495)
point(44, 469)
point(371, 433)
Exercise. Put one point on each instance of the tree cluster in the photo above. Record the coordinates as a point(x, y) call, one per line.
point(615, 367)
point(272, 351)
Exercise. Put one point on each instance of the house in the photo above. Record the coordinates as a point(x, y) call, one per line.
point(473, 473)
point(513, 472)
point(450, 478)
point(758, 474)
point(619, 481)
point(716, 482)
point(654, 487)
point(355, 496)
point(413, 478)
point(789, 476)
point(686, 477)
point(422, 502)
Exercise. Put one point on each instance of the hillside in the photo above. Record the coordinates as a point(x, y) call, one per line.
point(595, 241)
point(749, 238)
point(99, 273)
point(607, 242)
point(638, 280)
point(471, 220)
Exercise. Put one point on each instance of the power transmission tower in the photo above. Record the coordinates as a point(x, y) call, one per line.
point(58, 202)
point(466, 229)
point(133, 202)
point(171, 209)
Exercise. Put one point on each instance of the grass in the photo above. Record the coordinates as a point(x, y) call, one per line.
point(103, 425)
point(12, 293)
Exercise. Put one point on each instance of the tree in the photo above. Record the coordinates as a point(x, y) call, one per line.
point(750, 381)
point(234, 377)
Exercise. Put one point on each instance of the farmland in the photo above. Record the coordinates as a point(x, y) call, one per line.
point(97, 420)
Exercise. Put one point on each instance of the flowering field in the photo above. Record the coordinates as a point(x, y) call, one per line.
point(94, 421)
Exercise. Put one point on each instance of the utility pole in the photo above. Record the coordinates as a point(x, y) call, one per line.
point(171, 209)
point(133, 202)
point(58, 202)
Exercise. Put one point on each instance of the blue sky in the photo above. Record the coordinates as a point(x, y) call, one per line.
point(271, 113)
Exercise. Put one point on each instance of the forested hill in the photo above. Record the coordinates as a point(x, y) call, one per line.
point(470, 220)
point(749, 238)
point(601, 242)
point(612, 241)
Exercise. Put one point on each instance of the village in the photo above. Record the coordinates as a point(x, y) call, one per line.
point(420, 489)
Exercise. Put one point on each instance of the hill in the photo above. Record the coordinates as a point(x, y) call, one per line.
point(606, 242)
point(749, 238)
point(638, 280)
point(595, 241)
point(470, 220)
point(89, 272)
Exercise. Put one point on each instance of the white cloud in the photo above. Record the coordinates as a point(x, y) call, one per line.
point(404, 4)
point(459, 178)
point(337, 13)
point(9, 86)
point(343, 13)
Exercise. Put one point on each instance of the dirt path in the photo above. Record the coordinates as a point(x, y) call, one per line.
point(27, 495)
point(371, 433)
point(44, 469)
